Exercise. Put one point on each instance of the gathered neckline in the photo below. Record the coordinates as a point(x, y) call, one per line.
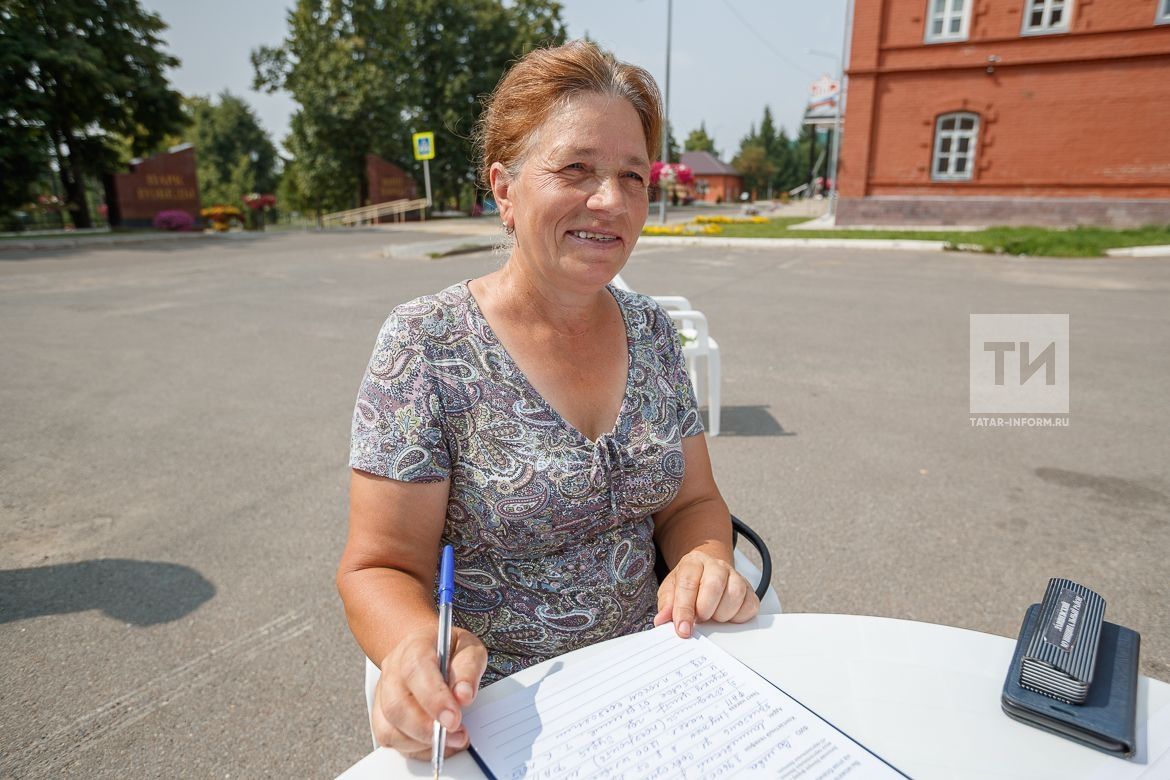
point(609, 435)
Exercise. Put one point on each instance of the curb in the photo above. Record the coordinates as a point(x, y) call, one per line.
point(808, 243)
point(437, 250)
point(1139, 251)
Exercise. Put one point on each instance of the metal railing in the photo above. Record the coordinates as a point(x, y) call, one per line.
point(375, 212)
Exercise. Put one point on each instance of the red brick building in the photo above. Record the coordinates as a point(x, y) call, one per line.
point(715, 180)
point(1007, 112)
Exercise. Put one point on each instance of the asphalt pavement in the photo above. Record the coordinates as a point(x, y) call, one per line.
point(173, 470)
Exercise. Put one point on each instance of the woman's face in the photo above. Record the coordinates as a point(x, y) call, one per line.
point(579, 200)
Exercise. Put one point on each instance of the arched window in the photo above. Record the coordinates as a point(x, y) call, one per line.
point(955, 140)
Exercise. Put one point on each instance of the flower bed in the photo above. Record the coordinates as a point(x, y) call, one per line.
point(685, 229)
point(731, 220)
point(222, 217)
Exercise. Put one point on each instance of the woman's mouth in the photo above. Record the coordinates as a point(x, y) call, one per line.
point(588, 235)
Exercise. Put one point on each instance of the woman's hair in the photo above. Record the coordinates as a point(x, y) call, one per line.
point(543, 80)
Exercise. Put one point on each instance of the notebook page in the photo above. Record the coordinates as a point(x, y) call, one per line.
point(653, 705)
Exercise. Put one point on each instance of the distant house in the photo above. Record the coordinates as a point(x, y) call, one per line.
point(715, 180)
point(1049, 112)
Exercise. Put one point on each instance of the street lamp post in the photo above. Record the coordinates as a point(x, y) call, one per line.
point(835, 146)
point(665, 121)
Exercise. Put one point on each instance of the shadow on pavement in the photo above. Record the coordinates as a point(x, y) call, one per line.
point(748, 421)
point(144, 593)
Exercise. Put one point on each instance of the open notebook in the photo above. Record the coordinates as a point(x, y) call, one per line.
point(654, 705)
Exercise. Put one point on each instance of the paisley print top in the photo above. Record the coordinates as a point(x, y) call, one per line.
point(552, 532)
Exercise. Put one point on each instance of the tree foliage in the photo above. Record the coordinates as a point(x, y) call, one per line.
point(772, 158)
point(753, 164)
point(699, 141)
point(234, 155)
point(77, 74)
point(368, 73)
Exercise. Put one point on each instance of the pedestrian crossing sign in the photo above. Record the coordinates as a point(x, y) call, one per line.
point(424, 146)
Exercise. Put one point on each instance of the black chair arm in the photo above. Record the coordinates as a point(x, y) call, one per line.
point(739, 527)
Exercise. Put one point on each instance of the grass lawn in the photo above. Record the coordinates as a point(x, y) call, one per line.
point(1046, 242)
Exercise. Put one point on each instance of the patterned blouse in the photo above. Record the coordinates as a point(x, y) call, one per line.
point(552, 532)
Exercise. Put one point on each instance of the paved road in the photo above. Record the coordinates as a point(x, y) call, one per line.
point(173, 446)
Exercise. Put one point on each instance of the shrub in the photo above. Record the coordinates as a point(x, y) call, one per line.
point(174, 220)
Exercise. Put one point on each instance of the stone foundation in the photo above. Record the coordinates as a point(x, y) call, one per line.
point(986, 211)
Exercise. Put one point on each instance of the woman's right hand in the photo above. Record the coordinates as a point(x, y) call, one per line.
point(411, 694)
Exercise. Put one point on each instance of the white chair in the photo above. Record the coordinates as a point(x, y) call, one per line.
point(698, 347)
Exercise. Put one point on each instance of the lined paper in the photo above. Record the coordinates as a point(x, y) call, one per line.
point(653, 705)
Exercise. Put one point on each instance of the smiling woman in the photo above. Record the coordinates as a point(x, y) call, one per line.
point(537, 419)
point(578, 202)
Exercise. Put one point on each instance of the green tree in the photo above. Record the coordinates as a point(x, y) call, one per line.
point(671, 145)
point(753, 164)
point(807, 149)
point(368, 73)
point(82, 72)
point(767, 134)
point(336, 63)
point(234, 155)
point(699, 141)
point(24, 155)
point(784, 160)
point(460, 51)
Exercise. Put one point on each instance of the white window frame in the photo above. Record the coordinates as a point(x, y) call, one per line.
point(947, 15)
point(1163, 12)
point(955, 135)
point(1046, 27)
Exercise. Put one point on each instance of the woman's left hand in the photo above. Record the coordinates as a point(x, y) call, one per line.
point(701, 588)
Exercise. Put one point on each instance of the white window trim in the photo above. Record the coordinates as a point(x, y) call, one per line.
point(1065, 23)
point(1163, 13)
point(969, 174)
point(946, 37)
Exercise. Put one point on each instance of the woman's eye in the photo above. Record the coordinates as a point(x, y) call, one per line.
point(635, 176)
point(575, 167)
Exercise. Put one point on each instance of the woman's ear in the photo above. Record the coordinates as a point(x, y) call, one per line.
point(501, 183)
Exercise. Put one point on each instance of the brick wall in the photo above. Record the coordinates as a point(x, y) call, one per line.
point(1083, 115)
point(723, 188)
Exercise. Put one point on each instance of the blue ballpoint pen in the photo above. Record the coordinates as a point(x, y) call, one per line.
point(446, 595)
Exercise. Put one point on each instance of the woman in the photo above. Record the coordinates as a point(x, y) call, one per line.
point(537, 419)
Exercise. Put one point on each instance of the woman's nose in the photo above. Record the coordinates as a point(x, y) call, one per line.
point(608, 196)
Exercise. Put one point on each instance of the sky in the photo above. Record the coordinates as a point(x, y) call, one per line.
point(728, 57)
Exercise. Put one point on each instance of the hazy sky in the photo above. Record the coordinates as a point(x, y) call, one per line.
point(728, 57)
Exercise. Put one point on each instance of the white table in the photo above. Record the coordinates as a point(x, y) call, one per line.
point(923, 697)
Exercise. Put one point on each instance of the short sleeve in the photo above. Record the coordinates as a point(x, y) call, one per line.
point(397, 421)
point(689, 421)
